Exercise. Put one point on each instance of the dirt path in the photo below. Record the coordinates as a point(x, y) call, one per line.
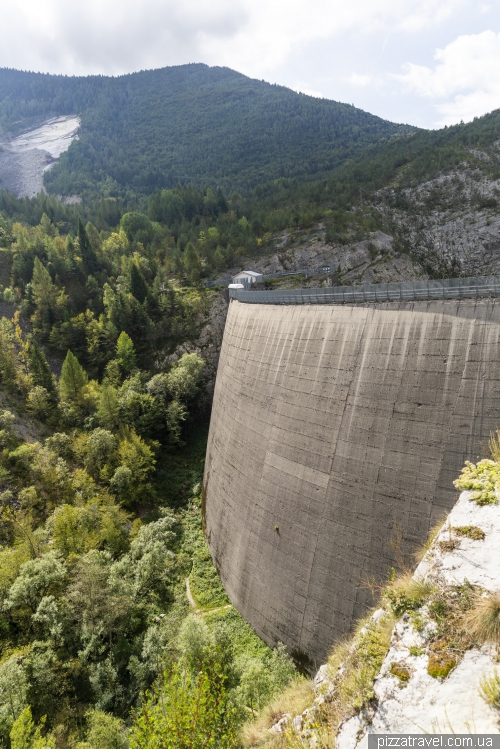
point(197, 610)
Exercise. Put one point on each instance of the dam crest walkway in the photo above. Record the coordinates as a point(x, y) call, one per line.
point(475, 287)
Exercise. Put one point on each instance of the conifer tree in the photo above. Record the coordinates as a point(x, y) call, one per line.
point(108, 408)
point(192, 263)
point(44, 293)
point(73, 378)
point(125, 352)
point(87, 253)
point(39, 369)
point(138, 285)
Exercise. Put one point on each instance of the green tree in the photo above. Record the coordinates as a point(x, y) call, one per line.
point(101, 446)
point(73, 379)
point(89, 258)
point(104, 732)
point(44, 296)
point(138, 285)
point(108, 409)
point(137, 227)
point(94, 607)
point(192, 263)
point(125, 352)
point(191, 711)
point(39, 369)
point(13, 691)
point(175, 413)
point(36, 579)
point(39, 402)
point(94, 236)
point(184, 378)
point(8, 358)
point(25, 735)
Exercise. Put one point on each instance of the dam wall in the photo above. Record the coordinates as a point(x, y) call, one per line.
point(333, 430)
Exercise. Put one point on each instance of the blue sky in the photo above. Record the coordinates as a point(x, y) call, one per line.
point(425, 62)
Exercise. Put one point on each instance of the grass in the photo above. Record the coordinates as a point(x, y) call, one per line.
point(483, 620)
point(406, 594)
point(294, 700)
point(494, 446)
point(204, 581)
point(469, 531)
point(489, 689)
point(449, 544)
point(361, 659)
point(402, 672)
point(424, 548)
point(461, 616)
point(416, 651)
point(440, 661)
point(244, 641)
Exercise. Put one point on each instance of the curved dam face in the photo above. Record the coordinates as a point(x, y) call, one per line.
point(335, 428)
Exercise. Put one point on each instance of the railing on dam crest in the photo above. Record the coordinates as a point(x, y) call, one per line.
point(478, 287)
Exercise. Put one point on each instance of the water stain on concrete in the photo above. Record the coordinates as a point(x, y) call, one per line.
point(339, 425)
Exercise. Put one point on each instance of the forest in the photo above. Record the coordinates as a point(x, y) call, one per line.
point(187, 124)
point(100, 473)
point(204, 229)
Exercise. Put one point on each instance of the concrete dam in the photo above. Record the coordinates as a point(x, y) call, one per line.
point(333, 430)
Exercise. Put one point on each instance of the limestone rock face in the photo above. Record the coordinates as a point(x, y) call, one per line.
point(425, 704)
point(331, 426)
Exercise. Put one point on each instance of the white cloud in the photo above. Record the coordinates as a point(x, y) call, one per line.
point(466, 77)
point(355, 79)
point(310, 45)
point(427, 13)
point(254, 36)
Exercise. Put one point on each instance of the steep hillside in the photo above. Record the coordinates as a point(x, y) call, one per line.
point(190, 123)
point(106, 583)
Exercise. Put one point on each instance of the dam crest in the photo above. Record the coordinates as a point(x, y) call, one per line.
point(335, 429)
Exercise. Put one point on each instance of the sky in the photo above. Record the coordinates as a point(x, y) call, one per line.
point(429, 63)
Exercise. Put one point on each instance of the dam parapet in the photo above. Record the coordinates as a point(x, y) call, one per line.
point(335, 427)
point(474, 287)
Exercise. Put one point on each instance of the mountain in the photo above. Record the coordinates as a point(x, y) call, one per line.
point(190, 124)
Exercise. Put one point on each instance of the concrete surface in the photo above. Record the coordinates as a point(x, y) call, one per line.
point(337, 426)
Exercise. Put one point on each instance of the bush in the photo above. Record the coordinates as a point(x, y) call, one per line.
point(482, 479)
point(190, 710)
point(104, 732)
point(406, 594)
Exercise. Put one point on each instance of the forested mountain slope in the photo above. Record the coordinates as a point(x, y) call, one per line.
point(100, 518)
point(190, 123)
point(435, 193)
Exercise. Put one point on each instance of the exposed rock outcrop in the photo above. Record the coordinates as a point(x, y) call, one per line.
point(25, 159)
